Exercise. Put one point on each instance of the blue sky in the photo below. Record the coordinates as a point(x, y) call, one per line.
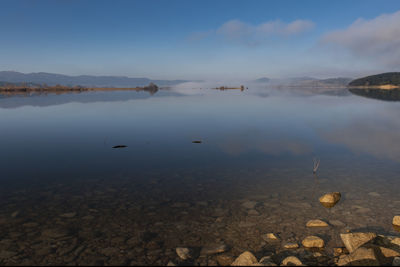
point(190, 39)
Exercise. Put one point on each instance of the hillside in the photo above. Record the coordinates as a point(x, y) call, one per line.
point(388, 78)
point(52, 79)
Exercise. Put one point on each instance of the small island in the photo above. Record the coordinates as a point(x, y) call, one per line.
point(388, 80)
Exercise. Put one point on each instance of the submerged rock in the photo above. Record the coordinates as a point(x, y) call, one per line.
point(313, 242)
point(396, 220)
point(291, 245)
point(68, 215)
point(224, 260)
point(249, 205)
point(329, 200)
point(214, 249)
point(183, 253)
point(360, 257)
point(269, 237)
point(316, 223)
point(266, 261)
point(352, 241)
point(396, 261)
point(119, 146)
point(290, 261)
point(245, 259)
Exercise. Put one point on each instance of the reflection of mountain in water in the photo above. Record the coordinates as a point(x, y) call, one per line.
point(381, 94)
point(44, 100)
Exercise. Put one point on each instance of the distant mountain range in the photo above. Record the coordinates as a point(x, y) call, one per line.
point(305, 82)
point(52, 79)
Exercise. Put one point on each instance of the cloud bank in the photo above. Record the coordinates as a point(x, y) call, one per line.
point(241, 32)
point(377, 39)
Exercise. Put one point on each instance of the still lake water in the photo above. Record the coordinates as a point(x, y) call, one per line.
point(68, 197)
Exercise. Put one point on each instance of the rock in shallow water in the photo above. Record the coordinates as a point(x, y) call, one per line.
point(360, 257)
point(214, 249)
point(183, 253)
point(245, 259)
point(316, 223)
point(329, 200)
point(396, 220)
point(249, 204)
point(291, 245)
point(313, 242)
point(290, 261)
point(352, 241)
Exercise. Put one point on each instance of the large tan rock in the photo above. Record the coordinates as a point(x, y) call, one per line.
point(396, 220)
point(360, 257)
point(329, 200)
point(313, 242)
point(245, 259)
point(316, 223)
point(290, 261)
point(352, 241)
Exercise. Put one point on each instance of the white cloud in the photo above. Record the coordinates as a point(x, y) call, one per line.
point(236, 30)
point(377, 39)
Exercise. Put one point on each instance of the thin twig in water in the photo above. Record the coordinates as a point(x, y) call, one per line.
point(316, 164)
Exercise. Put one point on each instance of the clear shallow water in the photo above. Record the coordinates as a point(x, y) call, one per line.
point(56, 157)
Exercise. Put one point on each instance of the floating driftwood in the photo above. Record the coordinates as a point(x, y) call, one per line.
point(120, 146)
point(196, 142)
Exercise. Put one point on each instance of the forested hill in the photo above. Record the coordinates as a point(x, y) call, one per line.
point(388, 78)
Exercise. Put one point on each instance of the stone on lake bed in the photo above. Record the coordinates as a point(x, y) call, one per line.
point(183, 253)
point(352, 241)
point(249, 204)
point(214, 249)
point(374, 194)
point(54, 233)
point(245, 259)
point(68, 215)
point(269, 236)
point(313, 242)
point(291, 245)
point(360, 257)
point(253, 213)
point(337, 223)
point(396, 220)
point(290, 261)
point(396, 261)
point(329, 200)
point(266, 261)
point(316, 223)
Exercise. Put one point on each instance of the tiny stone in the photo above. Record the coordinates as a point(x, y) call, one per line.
point(183, 253)
point(374, 194)
point(68, 215)
point(291, 245)
point(249, 204)
point(316, 223)
point(290, 261)
point(313, 242)
point(269, 236)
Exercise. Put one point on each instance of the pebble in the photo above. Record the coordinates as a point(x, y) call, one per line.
point(374, 194)
point(291, 245)
point(269, 237)
point(68, 215)
point(214, 249)
point(245, 259)
point(249, 204)
point(183, 253)
point(396, 220)
point(224, 260)
point(316, 223)
point(253, 213)
point(313, 242)
point(396, 261)
point(329, 200)
point(266, 261)
point(337, 223)
point(290, 261)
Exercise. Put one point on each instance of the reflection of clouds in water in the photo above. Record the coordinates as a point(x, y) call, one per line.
point(376, 135)
point(270, 144)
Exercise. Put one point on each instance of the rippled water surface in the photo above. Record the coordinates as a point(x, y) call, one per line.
point(68, 197)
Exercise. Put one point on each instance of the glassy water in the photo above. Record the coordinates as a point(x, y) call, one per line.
point(68, 197)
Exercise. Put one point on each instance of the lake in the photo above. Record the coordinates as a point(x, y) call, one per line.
point(68, 197)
